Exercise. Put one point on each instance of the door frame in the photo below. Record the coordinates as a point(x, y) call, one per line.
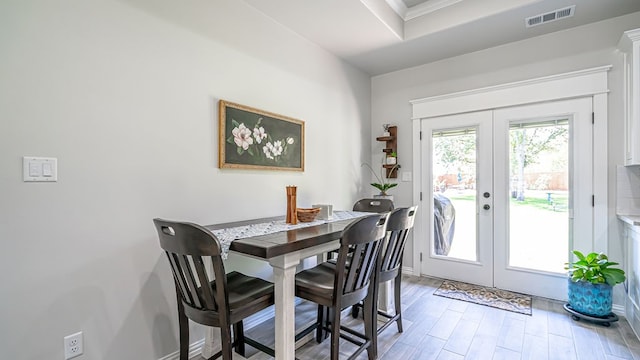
point(582, 83)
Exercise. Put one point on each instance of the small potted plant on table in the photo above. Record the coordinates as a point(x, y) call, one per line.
point(591, 281)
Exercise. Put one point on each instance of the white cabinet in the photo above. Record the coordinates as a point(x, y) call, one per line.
point(630, 46)
point(631, 236)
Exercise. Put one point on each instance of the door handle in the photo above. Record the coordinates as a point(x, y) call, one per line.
point(486, 207)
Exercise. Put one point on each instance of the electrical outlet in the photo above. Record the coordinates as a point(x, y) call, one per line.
point(73, 345)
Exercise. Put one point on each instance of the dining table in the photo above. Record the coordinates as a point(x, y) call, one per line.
point(283, 246)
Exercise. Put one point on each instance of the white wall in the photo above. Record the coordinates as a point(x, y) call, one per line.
point(126, 98)
point(575, 49)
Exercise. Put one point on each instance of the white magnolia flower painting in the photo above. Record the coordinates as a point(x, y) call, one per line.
point(253, 138)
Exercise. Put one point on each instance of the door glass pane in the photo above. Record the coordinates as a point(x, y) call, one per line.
point(454, 193)
point(539, 195)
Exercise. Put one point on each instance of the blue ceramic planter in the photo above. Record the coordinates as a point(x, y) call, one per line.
point(590, 299)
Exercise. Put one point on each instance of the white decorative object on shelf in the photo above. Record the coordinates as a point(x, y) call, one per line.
point(386, 130)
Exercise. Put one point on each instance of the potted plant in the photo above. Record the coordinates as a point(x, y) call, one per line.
point(381, 184)
point(591, 280)
point(392, 158)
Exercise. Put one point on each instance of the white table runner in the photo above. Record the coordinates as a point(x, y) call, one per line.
point(226, 236)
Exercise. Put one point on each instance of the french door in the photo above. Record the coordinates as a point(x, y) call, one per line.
point(512, 194)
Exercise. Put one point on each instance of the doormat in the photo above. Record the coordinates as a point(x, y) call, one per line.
point(501, 299)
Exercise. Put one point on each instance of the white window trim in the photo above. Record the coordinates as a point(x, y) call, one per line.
point(582, 83)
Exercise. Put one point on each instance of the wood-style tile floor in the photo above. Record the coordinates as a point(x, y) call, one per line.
point(447, 329)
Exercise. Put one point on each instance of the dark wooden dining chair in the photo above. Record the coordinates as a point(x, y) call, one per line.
point(373, 205)
point(336, 286)
point(399, 225)
point(223, 301)
point(366, 205)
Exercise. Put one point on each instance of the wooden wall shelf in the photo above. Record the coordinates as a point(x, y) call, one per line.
point(390, 147)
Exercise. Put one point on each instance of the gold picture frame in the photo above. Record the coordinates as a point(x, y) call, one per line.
point(251, 138)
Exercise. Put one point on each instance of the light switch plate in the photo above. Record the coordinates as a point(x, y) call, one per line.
point(406, 176)
point(39, 169)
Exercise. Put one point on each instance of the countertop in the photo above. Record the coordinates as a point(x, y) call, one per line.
point(630, 219)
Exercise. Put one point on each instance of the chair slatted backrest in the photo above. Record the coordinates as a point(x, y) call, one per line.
point(186, 246)
point(373, 205)
point(399, 225)
point(360, 246)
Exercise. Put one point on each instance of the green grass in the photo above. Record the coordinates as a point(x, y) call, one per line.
point(462, 197)
point(560, 202)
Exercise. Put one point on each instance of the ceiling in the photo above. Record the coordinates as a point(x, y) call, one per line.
point(381, 36)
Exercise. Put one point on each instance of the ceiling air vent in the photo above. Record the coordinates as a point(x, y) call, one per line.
point(550, 16)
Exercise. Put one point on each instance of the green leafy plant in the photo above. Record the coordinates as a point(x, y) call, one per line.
point(594, 268)
point(381, 184)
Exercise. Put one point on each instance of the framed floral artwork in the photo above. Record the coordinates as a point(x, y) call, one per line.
point(256, 139)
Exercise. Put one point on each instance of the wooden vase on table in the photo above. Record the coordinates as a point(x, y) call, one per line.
point(292, 216)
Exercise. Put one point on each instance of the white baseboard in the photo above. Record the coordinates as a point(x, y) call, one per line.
point(407, 270)
point(618, 310)
point(195, 350)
